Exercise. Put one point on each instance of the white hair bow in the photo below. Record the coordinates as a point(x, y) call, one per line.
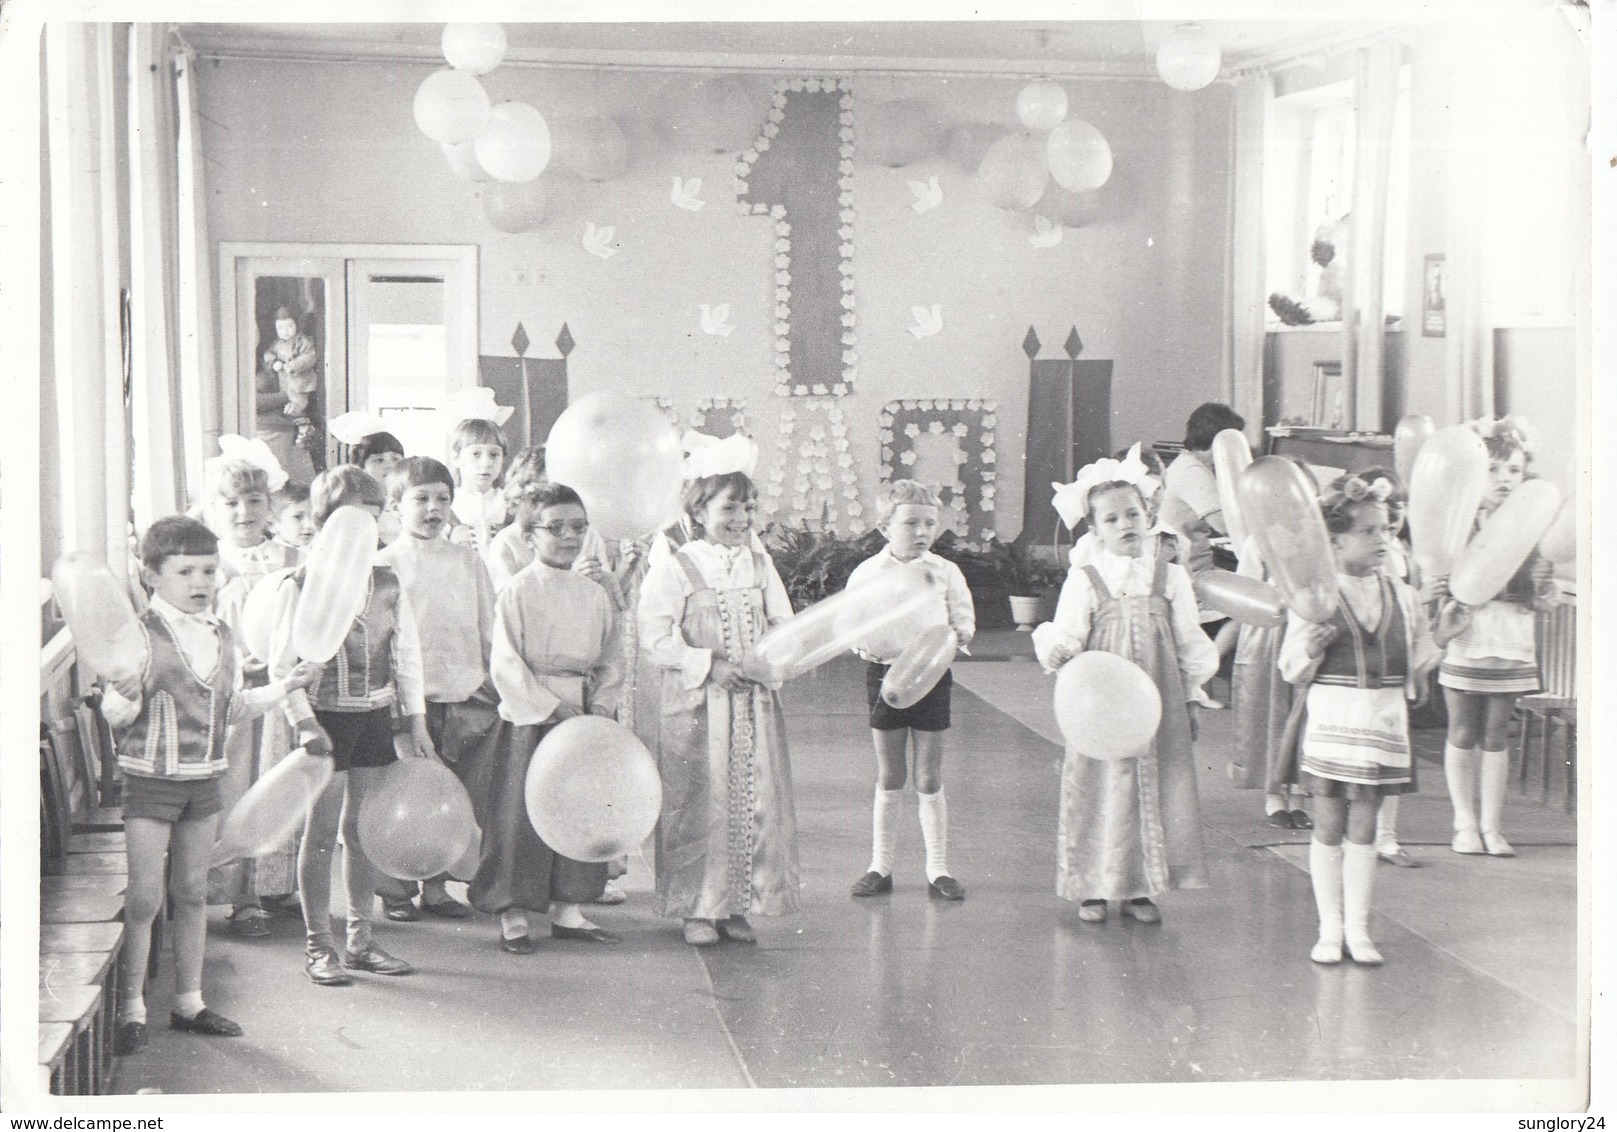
point(353, 427)
point(710, 456)
point(476, 404)
point(1513, 426)
point(1071, 500)
point(254, 452)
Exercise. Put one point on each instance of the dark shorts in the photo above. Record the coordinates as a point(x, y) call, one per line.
point(172, 800)
point(359, 738)
point(930, 713)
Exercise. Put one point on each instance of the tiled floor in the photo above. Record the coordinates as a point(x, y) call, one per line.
point(1007, 988)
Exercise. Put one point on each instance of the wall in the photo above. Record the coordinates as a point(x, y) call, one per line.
point(328, 152)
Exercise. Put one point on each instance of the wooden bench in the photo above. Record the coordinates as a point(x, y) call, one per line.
point(76, 1018)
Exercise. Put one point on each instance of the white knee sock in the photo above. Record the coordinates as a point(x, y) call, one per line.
point(188, 1005)
point(935, 832)
point(1460, 770)
point(1387, 825)
point(1495, 782)
point(1325, 866)
point(884, 830)
point(1358, 879)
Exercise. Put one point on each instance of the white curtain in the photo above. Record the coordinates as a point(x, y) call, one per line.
point(1375, 95)
point(1246, 303)
point(1468, 346)
point(199, 359)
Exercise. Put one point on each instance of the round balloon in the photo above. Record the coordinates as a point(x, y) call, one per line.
point(1560, 542)
point(1013, 173)
point(1282, 512)
point(451, 107)
point(1188, 59)
point(868, 613)
point(336, 582)
point(416, 820)
point(623, 458)
point(594, 148)
point(1231, 457)
point(593, 791)
point(1106, 705)
point(899, 133)
point(1407, 439)
point(1247, 600)
point(1508, 536)
point(515, 208)
point(919, 668)
point(516, 145)
point(107, 636)
point(1042, 105)
point(1067, 208)
point(1446, 487)
point(1077, 156)
point(474, 48)
point(462, 158)
point(969, 143)
point(274, 807)
point(717, 115)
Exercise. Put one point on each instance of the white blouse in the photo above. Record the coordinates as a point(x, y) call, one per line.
point(663, 594)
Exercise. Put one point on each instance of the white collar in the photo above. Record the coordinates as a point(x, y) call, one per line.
point(170, 612)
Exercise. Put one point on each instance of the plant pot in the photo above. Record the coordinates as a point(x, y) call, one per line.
point(1025, 612)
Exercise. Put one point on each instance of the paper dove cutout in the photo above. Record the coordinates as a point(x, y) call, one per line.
point(716, 320)
point(598, 241)
point(254, 452)
point(352, 427)
point(1045, 234)
point(927, 194)
point(684, 193)
point(475, 404)
point(927, 322)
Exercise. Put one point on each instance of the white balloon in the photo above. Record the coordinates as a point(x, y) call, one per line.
point(462, 158)
point(474, 48)
point(1188, 59)
point(623, 458)
point(1079, 156)
point(451, 107)
point(516, 145)
point(1042, 105)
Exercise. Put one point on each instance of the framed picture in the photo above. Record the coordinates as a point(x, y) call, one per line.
point(1329, 404)
point(1434, 318)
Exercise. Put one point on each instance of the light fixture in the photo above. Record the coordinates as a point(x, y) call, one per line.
point(1188, 59)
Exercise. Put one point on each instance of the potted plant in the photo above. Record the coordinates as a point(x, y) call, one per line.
point(1029, 579)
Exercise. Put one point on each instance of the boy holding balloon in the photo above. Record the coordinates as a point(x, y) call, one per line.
point(171, 722)
point(1130, 818)
point(907, 515)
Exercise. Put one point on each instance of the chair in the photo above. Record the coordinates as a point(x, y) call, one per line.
point(1555, 631)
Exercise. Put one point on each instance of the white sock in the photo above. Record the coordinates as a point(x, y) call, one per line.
point(935, 832)
point(884, 830)
point(1387, 825)
point(1325, 869)
point(1358, 880)
point(1273, 804)
point(514, 923)
point(132, 1009)
point(1460, 771)
point(1494, 775)
point(568, 916)
point(187, 1005)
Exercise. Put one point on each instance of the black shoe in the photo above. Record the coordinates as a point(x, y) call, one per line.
point(873, 884)
point(130, 1038)
point(376, 961)
point(205, 1021)
point(448, 908)
point(591, 934)
point(401, 911)
point(1301, 820)
point(1280, 819)
point(946, 888)
point(326, 970)
point(517, 945)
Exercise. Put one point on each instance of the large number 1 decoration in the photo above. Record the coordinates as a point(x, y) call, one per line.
point(799, 173)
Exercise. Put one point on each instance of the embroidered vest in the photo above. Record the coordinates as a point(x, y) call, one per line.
point(180, 732)
point(360, 676)
point(1368, 658)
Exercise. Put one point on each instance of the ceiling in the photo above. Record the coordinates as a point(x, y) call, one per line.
point(1121, 48)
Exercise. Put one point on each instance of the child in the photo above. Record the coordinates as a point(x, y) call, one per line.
point(1489, 664)
point(237, 509)
point(1130, 829)
point(509, 550)
point(171, 724)
point(1358, 667)
point(290, 524)
point(477, 453)
point(907, 515)
point(555, 656)
point(379, 453)
point(376, 674)
point(453, 601)
point(727, 840)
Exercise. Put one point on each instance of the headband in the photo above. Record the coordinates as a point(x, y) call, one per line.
point(254, 452)
point(1380, 489)
point(710, 456)
point(1071, 500)
point(1510, 427)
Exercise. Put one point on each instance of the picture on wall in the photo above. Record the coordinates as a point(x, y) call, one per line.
point(1434, 318)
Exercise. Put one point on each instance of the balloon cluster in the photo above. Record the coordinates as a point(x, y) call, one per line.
point(1050, 167)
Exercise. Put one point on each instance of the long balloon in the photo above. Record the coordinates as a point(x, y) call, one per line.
point(106, 634)
point(1231, 456)
point(835, 625)
point(1560, 542)
point(257, 626)
point(273, 809)
point(1412, 432)
point(1446, 487)
point(1282, 512)
point(335, 584)
point(1508, 536)
point(1247, 600)
point(919, 668)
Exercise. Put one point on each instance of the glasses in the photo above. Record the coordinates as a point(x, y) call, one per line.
point(559, 528)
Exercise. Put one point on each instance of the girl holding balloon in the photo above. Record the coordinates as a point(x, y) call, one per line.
point(1130, 821)
point(1358, 666)
point(1490, 663)
point(727, 840)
